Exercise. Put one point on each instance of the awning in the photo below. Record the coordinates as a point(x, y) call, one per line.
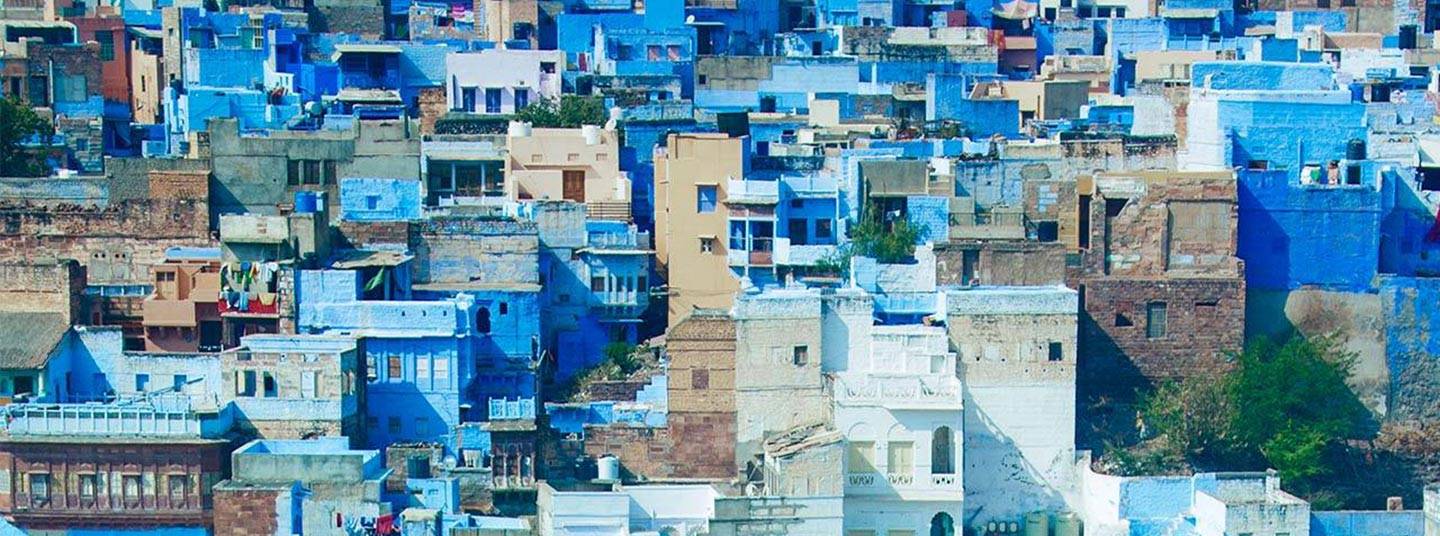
point(353, 259)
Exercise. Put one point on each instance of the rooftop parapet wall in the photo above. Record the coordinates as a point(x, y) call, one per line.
point(1056, 300)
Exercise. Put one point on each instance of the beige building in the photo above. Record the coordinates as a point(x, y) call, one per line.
point(691, 176)
point(1172, 66)
point(574, 164)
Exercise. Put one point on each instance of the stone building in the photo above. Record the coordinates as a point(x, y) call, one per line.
point(1163, 290)
point(296, 386)
point(1016, 354)
point(300, 486)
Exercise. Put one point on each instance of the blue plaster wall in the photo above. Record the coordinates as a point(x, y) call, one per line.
point(1411, 320)
point(1128, 36)
point(1263, 75)
point(415, 394)
point(372, 199)
point(1404, 249)
point(1292, 235)
point(1366, 523)
point(931, 216)
point(1290, 135)
point(221, 67)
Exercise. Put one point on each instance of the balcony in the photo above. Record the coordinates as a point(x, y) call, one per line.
point(508, 409)
point(812, 185)
point(107, 420)
point(631, 241)
point(748, 192)
point(932, 392)
point(909, 484)
point(998, 224)
point(760, 253)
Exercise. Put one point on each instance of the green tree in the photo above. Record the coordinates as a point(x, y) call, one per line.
point(19, 123)
point(887, 242)
point(570, 111)
point(1194, 417)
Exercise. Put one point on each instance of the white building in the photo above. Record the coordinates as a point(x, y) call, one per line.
point(1016, 352)
point(660, 509)
point(899, 407)
point(501, 81)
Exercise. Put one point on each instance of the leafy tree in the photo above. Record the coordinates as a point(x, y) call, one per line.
point(19, 123)
point(570, 111)
point(887, 242)
point(1283, 406)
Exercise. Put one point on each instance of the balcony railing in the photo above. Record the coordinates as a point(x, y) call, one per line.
point(741, 191)
point(872, 482)
point(901, 391)
point(100, 420)
point(508, 409)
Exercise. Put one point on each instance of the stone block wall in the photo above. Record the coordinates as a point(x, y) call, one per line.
point(246, 511)
point(1204, 321)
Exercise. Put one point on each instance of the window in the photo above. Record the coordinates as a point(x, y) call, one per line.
point(800, 355)
point(179, 486)
point(106, 38)
point(504, 308)
point(522, 98)
point(1155, 318)
point(330, 172)
point(422, 370)
point(799, 231)
point(701, 79)
point(39, 487)
point(271, 389)
point(308, 384)
point(672, 52)
point(597, 284)
point(442, 371)
point(130, 488)
point(482, 320)
point(422, 427)
point(700, 379)
point(492, 100)
point(177, 383)
point(547, 67)
point(312, 172)
point(372, 370)
point(824, 229)
point(468, 99)
point(1057, 351)
point(393, 423)
point(860, 457)
point(942, 452)
point(652, 52)
point(394, 370)
point(1122, 321)
point(900, 458)
point(293, 172)
point(705, 198)
point(245, 383)
point(142, 382)
point(707, 244)
point(88, 485)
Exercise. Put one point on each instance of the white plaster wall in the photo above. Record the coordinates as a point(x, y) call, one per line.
point(507, 69)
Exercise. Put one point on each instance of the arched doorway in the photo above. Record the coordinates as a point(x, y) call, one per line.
point(942, 525)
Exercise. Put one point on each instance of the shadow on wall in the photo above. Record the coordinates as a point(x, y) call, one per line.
point(988, 455)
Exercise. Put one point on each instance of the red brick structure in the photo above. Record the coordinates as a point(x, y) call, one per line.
point(1161, 288)
point(247, 510)
point(108, 32)
point(62, 482)
point(699, 439)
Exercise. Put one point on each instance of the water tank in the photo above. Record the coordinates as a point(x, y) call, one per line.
point(591, 133)
point(304, 202)
point(1407, 36)
point(1037, 524)
point(607, 468)
point(1067, 524)
point(519, 129)
point(1355, 149)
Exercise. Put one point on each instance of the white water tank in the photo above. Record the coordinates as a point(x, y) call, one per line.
point(607, 468)
point(591, 133)
point(519, 129)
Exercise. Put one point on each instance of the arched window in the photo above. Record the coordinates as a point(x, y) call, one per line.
point(942, 525)
point(482, 320)
point(942, 452)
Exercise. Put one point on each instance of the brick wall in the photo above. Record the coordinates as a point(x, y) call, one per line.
point(246, 511)
point(42, 287)
point(396, 457)
point(118, 244)
point(432, 108)
point(1205, 319)
point(360, 234)
point(1002, 263)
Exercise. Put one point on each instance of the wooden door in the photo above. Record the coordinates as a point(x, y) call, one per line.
point(574, 185)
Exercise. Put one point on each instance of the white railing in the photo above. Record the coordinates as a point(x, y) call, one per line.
point(95, 419)
point(748, 191)
point(943, 481)
point(900, 479)
point(860, 480)
point(897, 391)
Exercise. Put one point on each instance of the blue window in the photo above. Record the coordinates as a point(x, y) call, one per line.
point(142, 381)
point(705, 198)
point(522, 98)
point(492, 100)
